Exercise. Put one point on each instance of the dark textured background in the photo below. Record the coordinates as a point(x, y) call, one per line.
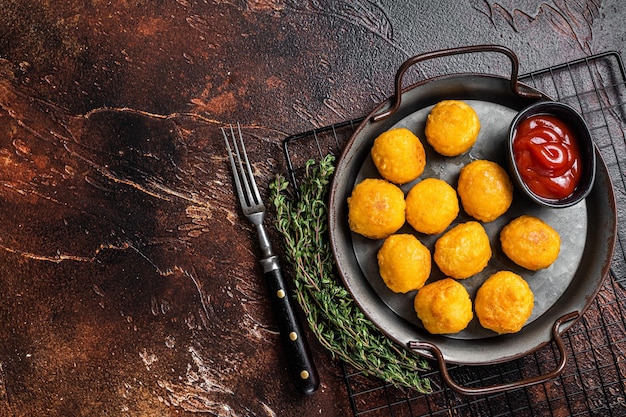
point(128, 281)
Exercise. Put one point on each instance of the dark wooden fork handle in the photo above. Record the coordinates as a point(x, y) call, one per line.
point(292, 335)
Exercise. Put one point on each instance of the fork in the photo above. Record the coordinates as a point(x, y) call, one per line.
point(293, 338)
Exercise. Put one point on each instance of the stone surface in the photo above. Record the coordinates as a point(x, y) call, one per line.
point(128, 279)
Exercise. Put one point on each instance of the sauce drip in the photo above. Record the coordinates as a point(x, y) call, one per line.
point(547, 156)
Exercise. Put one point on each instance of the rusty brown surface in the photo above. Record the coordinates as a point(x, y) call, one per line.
point(128, 280)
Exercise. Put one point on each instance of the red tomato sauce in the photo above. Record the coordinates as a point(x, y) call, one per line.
point(547, 156)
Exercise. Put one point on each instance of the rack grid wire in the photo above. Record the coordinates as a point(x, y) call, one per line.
point(594, 380)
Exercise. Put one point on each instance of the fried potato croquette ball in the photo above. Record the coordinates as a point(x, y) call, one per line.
point(443, 306)
point(452, 127)
point(376, 208)
point(504, 302)
point(530, 242)
point(431, 206)
point(399, 155)
point(485, 190)
point(404, 263)
point(463, 251)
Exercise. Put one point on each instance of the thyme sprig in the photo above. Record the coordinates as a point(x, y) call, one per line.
point(332, 314)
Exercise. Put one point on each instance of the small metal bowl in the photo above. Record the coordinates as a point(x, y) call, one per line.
point(577, 125)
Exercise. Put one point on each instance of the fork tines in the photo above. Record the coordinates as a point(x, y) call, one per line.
point(245, 184)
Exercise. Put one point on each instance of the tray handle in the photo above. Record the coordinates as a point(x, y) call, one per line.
point(456, 51)
point(492, 389)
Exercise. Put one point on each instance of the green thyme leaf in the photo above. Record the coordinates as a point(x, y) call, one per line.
point(332, 314)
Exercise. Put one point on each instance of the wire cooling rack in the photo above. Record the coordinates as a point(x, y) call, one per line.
point(594, 381)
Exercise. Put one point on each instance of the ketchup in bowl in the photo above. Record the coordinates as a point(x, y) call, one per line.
point(551, 154)
point(547, 156)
